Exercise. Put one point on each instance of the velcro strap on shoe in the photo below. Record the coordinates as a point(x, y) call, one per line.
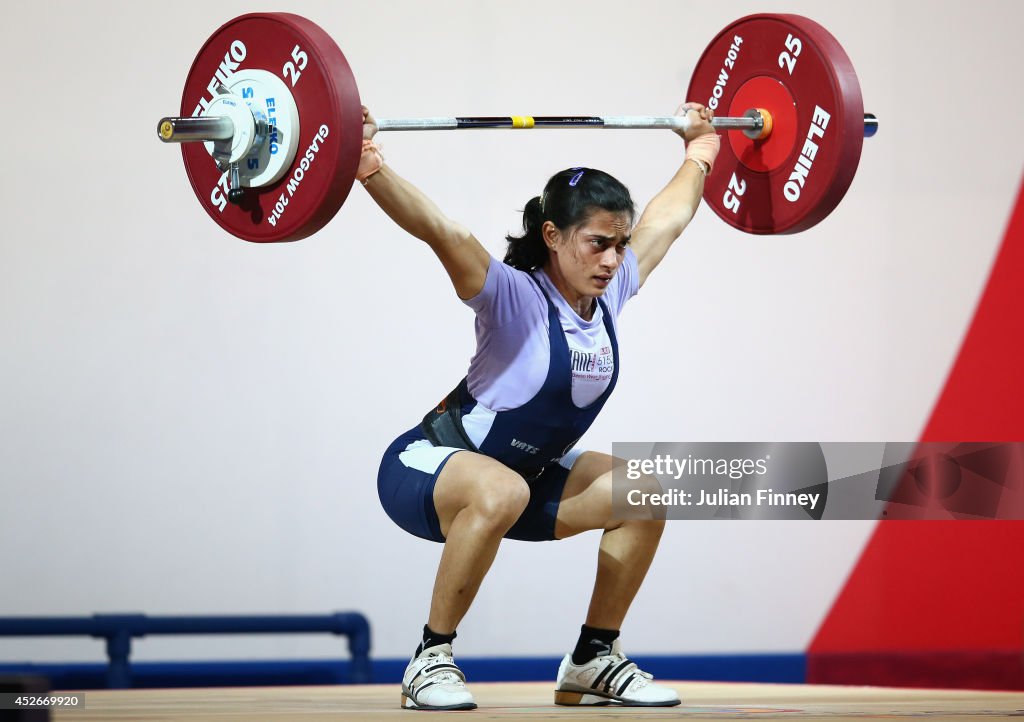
point(433, 670)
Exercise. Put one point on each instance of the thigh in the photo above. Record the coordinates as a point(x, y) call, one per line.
point(586, 501)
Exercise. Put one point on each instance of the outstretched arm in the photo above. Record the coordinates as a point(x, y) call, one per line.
point(461, 254)
point(669, 212)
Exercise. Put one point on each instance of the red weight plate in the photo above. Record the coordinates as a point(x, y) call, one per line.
point(324, 90)
point(790, 188)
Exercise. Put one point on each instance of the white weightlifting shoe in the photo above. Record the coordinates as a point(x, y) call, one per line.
point(610, 679)
point(432, 681)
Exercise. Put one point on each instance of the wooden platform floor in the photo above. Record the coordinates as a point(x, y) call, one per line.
point(533, 701)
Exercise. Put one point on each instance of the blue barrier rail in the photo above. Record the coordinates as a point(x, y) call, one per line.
point(119, 629)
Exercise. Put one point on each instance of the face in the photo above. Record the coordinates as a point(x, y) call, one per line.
point(588, 255)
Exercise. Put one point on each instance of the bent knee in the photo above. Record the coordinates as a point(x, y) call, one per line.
point(502, 498)
point(634, 501)
point(480, 490)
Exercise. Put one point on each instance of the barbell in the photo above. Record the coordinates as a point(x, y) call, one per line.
point(272, 99)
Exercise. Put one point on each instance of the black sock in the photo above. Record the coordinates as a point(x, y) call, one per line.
point(594, 642)
point(432, 639)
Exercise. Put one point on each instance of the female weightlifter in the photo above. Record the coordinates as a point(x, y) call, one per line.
point(497, 458)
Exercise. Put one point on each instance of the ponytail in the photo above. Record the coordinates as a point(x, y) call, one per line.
point(528, 251)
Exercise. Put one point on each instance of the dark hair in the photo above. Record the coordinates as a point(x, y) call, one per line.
point(568, 199)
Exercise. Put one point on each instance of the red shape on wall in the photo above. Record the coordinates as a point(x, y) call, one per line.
point(941, 603)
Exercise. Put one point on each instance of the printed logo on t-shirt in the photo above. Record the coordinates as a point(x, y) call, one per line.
point(591, 373)
point(592, 366)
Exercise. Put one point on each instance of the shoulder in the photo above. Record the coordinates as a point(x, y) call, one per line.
point(507, 291)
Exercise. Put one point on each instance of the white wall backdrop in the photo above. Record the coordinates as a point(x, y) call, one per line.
point(192, 424)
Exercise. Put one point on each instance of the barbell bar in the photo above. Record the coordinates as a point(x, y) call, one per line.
point(185, 130)
point(752, 124)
